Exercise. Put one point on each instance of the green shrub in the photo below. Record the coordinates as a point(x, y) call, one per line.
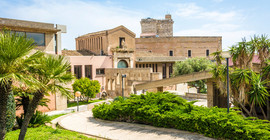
point(87, 87)
point(37, 119)
point(171, 111)
point(11, 112)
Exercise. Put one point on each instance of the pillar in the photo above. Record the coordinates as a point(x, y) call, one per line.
point(210, 93)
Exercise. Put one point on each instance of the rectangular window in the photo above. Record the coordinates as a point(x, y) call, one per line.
point(100, 71)
point(156, 68)
point(78, 71)
point(121, 42)
point(164, 72)
point(153, 67)
point(189, 53)
point(207, 52)
point(88, 71)
point(171, 53)
point(55, 44)
point(20, 33)
point(136, 65)
point(39, 38)
point(143, 65)
point(147, 65)
point(140, 65)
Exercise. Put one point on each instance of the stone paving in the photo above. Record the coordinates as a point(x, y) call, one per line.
point(84, 122)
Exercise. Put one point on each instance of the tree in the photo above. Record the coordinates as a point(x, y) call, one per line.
point(52, 72)
point(14, 57)
point(11, 113)
point(247, 87)
point(87, 87)
point(24, 96)
point(258, 93)
point(193, 65)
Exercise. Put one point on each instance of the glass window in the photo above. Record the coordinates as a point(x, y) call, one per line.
point(100, 71)
point(122, 64)
point(39, 38)
point(171, 53)
point(88, 71)
point(20, 33)
point(189, 53)
point(207, 52)
point(78, 71)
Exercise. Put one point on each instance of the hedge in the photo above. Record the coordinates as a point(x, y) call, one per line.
point(170, 111)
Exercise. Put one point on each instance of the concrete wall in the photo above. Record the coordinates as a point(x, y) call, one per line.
point(133, 76)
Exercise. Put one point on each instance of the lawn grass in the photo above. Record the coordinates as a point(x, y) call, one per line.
point(82, 103)
point(47, 133)
point(56, 116)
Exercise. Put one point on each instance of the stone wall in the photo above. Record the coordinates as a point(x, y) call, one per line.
point(179, 45)
point(162, 27)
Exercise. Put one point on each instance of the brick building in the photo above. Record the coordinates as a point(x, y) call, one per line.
point(153, 54)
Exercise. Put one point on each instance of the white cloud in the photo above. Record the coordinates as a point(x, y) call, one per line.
point(229, 37)
point(83, 17)
point(218, 0)
point(79, 16)
point(229, 24)
point(193, 11)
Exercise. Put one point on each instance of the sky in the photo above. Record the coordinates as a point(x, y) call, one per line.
point(231, 19)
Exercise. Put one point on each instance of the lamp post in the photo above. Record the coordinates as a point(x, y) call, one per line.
point(77, 94)
point(123, 76)
point(226, 55)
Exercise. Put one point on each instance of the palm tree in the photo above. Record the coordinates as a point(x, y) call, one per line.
point(262, 45)
point(13, 59)
point(258, 93)
point(52, 72)
point(217, 57)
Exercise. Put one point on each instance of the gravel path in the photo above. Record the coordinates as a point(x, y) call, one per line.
point(85, 123)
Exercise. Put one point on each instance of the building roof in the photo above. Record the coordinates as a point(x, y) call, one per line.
point(160, 59)
point(23, 25)
point(104, 32)
point(77, 53)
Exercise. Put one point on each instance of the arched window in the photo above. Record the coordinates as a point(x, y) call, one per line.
point(122, 64)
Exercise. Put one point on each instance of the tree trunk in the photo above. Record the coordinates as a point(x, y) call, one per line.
point(30, 111)
point(25, 103)
point(268, 108)
point(5, 89)
point(264, 116)
point(243, 107)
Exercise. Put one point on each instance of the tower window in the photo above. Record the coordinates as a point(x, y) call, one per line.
point(207, 52)
point(171, 53)
point(189, 53)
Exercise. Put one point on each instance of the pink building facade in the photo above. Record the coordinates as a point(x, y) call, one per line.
point(92, 67)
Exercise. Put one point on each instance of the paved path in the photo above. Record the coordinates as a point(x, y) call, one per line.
point(85, 123)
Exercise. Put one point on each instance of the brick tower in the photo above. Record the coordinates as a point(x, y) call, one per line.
point(157, 27)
